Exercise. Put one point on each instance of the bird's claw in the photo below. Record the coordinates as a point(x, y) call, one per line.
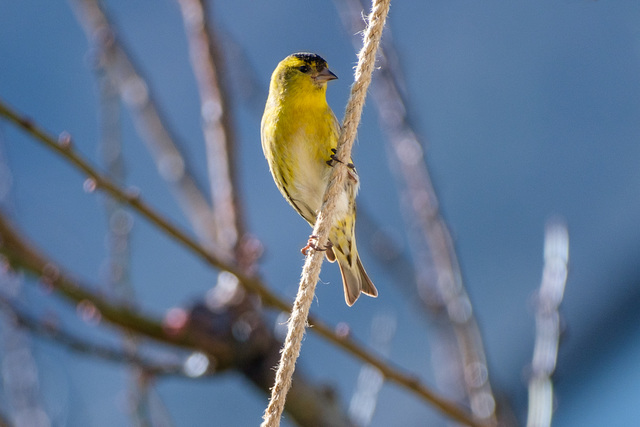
point(333, 159)
point(311, 244)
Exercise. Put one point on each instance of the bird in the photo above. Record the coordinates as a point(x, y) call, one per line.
point(299, 134)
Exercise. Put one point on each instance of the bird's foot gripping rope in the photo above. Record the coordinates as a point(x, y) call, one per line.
point(311, 244)
point(333, 159)
point(352, 168)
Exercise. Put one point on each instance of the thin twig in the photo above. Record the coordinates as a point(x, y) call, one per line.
point(545, 353)
point(429, 235)
point(313, 264)
point(250, 282)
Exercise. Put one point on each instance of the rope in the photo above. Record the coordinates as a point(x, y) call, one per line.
point(313, 263)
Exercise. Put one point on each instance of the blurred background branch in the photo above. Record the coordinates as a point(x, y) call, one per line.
point(548, 324)
point(208, 67)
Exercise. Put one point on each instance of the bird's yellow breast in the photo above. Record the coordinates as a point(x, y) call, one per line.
point(298, 134)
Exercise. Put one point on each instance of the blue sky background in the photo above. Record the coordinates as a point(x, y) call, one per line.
point(528, 110)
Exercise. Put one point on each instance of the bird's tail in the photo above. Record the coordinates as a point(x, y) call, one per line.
point(354, 279)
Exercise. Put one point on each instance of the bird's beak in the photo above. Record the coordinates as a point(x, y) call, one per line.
point(324, 76)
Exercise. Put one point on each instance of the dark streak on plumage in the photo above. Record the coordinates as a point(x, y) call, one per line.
point(293, 203)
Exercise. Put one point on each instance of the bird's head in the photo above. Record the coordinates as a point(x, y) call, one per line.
point(302, 72)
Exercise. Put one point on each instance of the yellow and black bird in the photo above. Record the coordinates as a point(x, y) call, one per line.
point(299, 138)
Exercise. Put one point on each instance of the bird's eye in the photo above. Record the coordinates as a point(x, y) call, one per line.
point(304, 68)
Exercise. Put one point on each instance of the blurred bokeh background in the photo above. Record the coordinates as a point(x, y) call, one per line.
point(527, 111)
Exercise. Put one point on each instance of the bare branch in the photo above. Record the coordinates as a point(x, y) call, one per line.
point(545, 353)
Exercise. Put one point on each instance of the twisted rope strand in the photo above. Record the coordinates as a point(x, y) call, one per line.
point(313, 264)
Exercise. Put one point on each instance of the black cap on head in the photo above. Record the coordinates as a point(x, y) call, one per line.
point(309, 57)
point(312, 58)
